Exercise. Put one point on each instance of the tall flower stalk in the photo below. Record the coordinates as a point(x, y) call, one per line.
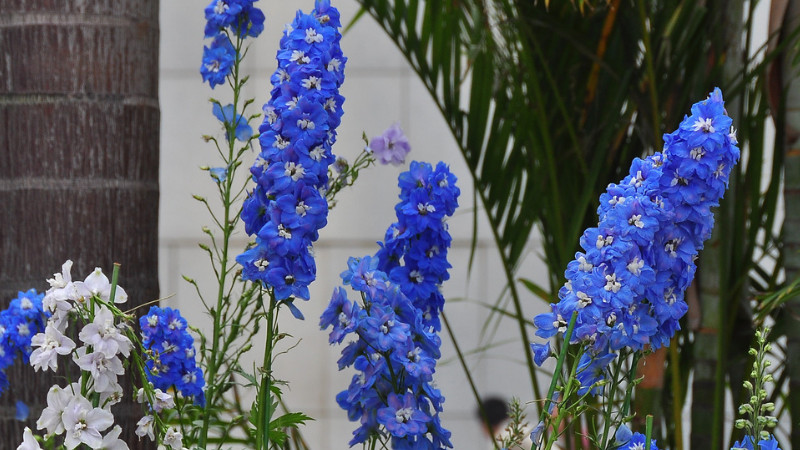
point(288, 205)
point(625, 291)
point(229, 23)
point(395, 325)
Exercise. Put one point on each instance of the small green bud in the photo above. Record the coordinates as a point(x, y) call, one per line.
point(205, 168)
point(764, 435)
point(198, 198)
point(753, 374)
point(752, 352)
point(762, 394)
point(741, 423)
point(747, 385)
point(769, 406)
point(761, 420)
point(767, 363)
point(768, 347)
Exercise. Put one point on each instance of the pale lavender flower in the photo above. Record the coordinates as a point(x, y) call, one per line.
point(173, 438)
point(28, 441)
point(111, 440)
point(57, 400)
point(104, 370)
point(391, 147)
point(83, 423)
point(145, 428)
point(104, 336)
point(96, 283)
point(50, 344)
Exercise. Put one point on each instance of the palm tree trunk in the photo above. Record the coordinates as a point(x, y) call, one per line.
point(79, 154)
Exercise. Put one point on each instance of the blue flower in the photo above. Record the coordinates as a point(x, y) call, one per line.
point(402, 416)
point(23, 318)
point(225, 114)
point(239, 16)
point(637, 442)
point(627, 284)
point(541, 352)
point(218, 174)
point(218, 61)
point(287, 208)
point(170, 353)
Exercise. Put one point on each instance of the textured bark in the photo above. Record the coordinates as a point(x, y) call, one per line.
point(79, 137)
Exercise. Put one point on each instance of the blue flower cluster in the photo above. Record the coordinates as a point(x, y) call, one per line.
point(223, 18)
point(23, 318)
point(628, 283)
point(764, 444)
point(637, 442)
point(170, 353)
point(287, 208)
point(397, 346)
point(414, 251)
point(395, 356)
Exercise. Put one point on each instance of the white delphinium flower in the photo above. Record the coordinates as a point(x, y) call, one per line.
point(28, 441)
point(173, 438)
point(57, 400)
point(111, 397)
point(162, 400)
point(97, 284)
point(111, 441)
point(104, 370)
point(58, 300)
point(83, 423)
point(145, 428)
point(49, 345)
point(104, 336)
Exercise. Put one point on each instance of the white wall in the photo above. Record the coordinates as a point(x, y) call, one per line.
point(379, 89)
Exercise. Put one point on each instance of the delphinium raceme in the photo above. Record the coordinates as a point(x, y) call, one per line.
point(23, 319)
point(287, 207)
point(757, 412)
point(170, 359)
point(81, 410)
point(624, 292)
point(395, 324)
point(230, 25)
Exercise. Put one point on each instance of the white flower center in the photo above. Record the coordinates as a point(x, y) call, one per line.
point(612, 284)
point(312, 36)
point(636, 220)
point(313, 83)
point(403, 415)
point(704, 125)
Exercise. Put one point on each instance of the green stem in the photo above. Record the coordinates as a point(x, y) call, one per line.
point(557, 372)
point(227, 229)
point(264, 397)
point(648, 431)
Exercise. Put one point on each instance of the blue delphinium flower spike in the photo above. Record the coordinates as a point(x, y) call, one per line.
point(286, 209)
point(628, 282)
point(397, 346)
point(170, 353)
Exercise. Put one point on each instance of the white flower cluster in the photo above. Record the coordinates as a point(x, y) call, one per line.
point(82, 411)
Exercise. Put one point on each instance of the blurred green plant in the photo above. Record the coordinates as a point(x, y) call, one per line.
point(550, 101)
